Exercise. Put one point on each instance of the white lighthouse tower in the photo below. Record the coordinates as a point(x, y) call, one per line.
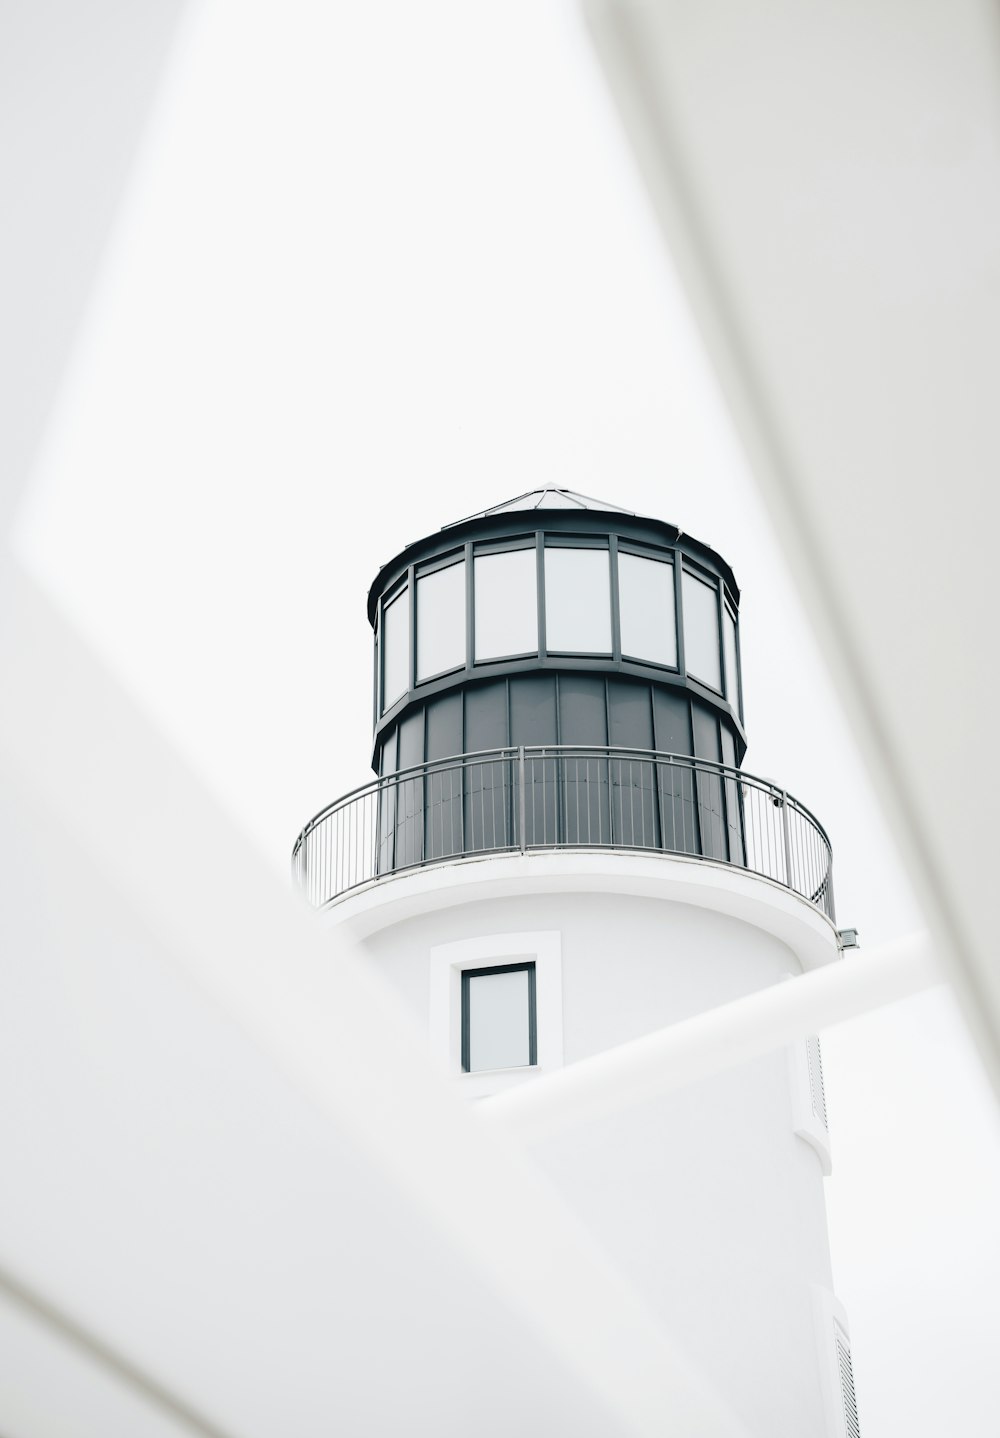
point(561, 853)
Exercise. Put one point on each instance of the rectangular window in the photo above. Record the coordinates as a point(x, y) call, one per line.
point(506, 600)
point(441, 621)
point(499, 1026)
point(646, 606)
point(577, 601)
point(396, 649)
point(732, 669)
point(701, 630)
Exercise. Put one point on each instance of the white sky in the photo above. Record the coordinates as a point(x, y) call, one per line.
point(380, 267)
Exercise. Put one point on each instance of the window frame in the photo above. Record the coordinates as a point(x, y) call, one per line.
point(423, 571)
point(601, 543)
point(487, 950)
point(668, 557)
point(386, 603)
point(734, 695)
point(542, 657)
point(714, 583)
point(467, 975)
point(493, 551)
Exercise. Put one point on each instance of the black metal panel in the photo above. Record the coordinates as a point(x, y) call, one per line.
point(533, 709)
point(733, 800)
point(410, 792)
point(574, 798)
point(672, 733)
point(711, 807)
point(443, 807)
point(672, 721)
point(584, 779)
point(489, 820)
point(387, 808)
point(634, 807)
point(630, 715)
point(486, 720)
point(533, 721)
point(411, 739)
point(583, 709)
point(444, 726)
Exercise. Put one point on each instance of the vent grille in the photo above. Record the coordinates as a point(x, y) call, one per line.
point(817, 1092)
point(847, 1397)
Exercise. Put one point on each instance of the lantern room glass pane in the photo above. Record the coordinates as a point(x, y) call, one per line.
point(499, 1020)
point(577, 601)
point(506, 604)
point(701, 630)
point(441, 621)
point(732, 663)
point(646, 606)
point(396, 649)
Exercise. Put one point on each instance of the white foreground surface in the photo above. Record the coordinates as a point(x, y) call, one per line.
point(232, 1174)
point(152, 489)
point(828, 184)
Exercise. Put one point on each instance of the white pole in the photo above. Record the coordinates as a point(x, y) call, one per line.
point(723, 1038)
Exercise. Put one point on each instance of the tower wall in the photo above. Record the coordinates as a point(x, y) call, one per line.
point(709, 1202)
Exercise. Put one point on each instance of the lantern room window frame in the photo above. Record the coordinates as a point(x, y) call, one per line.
point(543, 657)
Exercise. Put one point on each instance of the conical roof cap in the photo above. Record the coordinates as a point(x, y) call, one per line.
point(550, 499)
point(547, 498)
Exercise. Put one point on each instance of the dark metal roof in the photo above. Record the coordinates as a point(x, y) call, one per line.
point(547, 498)
point(563, 509)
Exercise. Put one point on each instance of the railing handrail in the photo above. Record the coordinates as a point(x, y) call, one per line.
point(701, 808)
point(562, 751)
point(373, 785)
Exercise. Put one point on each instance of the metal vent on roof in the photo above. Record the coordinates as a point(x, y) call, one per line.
point(847, 1395)
point(817, 1093)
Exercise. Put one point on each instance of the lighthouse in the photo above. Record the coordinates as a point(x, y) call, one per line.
point(561, 852)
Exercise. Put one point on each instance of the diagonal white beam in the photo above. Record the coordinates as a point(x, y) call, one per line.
point(69, 734)
point(696, 1048)
point(78, 89)
point(843, 265)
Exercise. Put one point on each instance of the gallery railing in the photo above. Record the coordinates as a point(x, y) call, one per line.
point(515, 800)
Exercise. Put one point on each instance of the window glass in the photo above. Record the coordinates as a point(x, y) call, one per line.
point(506, 604)
point(441, 621)
point(577, 601)
point(701, 630)
point(732, 671)
point(646, 606)
point(498, 1018)
point(396, 649)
